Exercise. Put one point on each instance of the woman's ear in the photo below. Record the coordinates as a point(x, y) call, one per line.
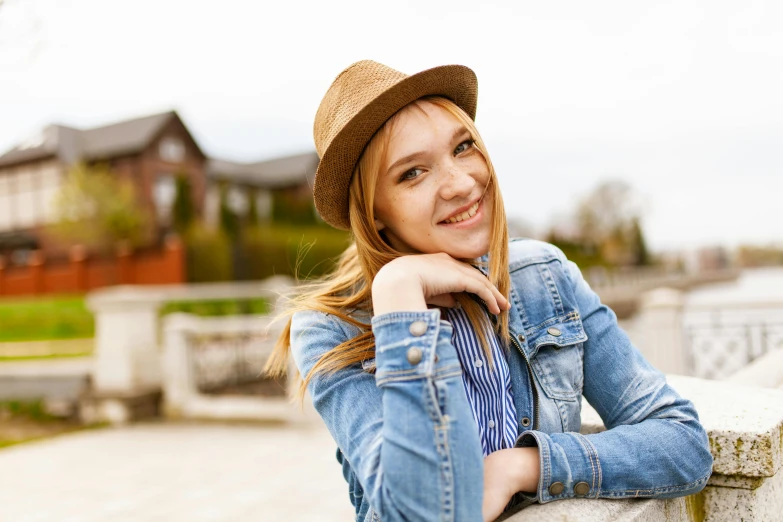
point(379, 225)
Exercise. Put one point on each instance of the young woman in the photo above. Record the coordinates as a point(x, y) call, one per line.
point(448, 362)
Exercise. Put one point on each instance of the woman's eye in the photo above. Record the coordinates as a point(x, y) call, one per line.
point(462, 147)
point(410, 174)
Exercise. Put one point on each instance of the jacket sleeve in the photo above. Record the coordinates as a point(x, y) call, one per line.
point(654, 445)
point(407, 431)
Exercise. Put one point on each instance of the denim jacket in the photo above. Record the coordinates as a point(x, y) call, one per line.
point(408, 443)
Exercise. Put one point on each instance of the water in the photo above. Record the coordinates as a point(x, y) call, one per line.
point(755, 287)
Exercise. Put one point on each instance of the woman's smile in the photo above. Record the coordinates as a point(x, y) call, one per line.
point(467, 218)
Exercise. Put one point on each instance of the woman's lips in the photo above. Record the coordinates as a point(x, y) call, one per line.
point(466, 223)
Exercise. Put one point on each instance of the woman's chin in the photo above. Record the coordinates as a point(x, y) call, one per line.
point(467, 251)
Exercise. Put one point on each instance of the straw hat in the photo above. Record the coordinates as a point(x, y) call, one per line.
point(357, 104)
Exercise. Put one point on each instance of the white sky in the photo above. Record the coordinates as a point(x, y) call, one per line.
point(683, 100)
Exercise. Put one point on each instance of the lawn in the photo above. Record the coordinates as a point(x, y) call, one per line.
point(67, 317)
point(45, 318)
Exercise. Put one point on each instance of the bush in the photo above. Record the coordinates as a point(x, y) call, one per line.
point(218, 307)
point(300, 251)
point(208, 255)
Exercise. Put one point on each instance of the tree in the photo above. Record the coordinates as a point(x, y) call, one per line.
point(183, 210)
point(229, 220)
point(638, 245)
point(605, 229)
point(97, 210)
point(252, 209)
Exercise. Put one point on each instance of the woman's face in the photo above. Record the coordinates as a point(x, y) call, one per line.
point(431, 192)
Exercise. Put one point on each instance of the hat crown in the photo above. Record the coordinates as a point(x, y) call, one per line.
point(359, 101)
point(350, 92)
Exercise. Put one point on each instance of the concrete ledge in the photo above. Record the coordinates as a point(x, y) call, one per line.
point(744, 423)
point(590, 510)
point(757, 504)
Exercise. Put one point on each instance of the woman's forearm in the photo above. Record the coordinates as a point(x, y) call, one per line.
point(430, 461)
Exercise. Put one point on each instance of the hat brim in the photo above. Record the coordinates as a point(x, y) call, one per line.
point(333, 176)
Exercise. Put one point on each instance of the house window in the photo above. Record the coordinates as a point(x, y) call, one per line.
point(171, 150)
point(163, 194)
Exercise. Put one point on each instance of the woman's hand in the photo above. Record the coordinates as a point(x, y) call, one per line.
point(507, 472)
point(411, 282)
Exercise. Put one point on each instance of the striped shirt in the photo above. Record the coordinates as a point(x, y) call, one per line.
point(488, 389)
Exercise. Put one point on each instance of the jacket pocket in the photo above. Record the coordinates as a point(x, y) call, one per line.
point(557, 361)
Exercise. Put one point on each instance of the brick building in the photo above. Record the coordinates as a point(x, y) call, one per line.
point(150, 152)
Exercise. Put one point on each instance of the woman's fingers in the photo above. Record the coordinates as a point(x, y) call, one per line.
point(477, 283)
point(432, 278)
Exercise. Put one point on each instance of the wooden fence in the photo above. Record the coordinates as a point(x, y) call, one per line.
point(82, 273)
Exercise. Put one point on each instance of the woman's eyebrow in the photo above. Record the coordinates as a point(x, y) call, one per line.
point(458, 132)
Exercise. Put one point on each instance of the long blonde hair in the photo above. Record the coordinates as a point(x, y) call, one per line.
point(348, 287)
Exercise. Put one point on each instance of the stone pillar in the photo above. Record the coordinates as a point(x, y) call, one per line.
point(177, 378)
point(126, 339)
point(661, 330)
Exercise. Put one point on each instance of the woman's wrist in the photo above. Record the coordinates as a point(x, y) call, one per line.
point(525, 469)
point(393, 291)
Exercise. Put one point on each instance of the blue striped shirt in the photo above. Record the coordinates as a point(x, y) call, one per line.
point(488, 389)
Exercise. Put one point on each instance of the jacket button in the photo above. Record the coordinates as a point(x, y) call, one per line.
point(525, 421)
point(581, 489)
point(556, 488)
point(414, 356)
point(521, 338)
point(418, 328)
point(554, 332)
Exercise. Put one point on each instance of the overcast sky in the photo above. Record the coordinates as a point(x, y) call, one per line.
point(683, 100)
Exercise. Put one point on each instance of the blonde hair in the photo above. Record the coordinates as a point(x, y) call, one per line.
point(348, 287)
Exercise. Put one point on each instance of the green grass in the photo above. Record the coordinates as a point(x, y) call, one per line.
point(5, 358)
point(217, 307)
point(67, 317)
point(30, 410)
point(45, 318)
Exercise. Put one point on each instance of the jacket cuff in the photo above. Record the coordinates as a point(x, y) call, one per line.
point(569, 465)
point(406, 344)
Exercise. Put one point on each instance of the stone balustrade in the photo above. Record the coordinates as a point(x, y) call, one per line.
point(127, 376)
point(254, 335)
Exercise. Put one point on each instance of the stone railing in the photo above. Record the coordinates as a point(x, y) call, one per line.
point(745, 426)
point(711, 339)
point(127, 376)
point(212, 352)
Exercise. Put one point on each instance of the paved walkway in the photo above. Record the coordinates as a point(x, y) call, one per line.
point(175, 472)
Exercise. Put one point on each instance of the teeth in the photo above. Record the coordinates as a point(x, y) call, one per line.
point(465, 215)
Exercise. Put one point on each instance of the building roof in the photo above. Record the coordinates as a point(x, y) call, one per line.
point(272, 174)
point(69, 144)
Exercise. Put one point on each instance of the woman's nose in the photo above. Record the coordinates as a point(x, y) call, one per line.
point(456, 182)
